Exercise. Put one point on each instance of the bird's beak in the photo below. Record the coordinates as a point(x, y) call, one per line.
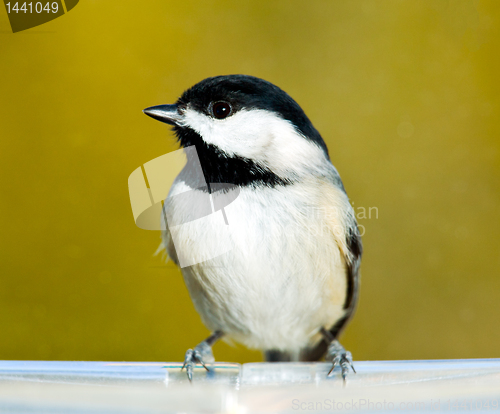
point(164, 113)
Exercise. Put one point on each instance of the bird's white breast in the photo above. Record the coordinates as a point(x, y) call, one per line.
point(282, 276)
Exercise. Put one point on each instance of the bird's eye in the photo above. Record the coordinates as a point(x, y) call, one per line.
point(221, 110)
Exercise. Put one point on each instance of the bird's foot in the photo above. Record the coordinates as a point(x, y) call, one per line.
point(201, 354)
point(337, 354)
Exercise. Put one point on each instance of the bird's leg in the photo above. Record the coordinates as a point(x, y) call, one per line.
point(202, 353)
point(337, 354)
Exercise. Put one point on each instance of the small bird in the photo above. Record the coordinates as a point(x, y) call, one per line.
point(289, 284)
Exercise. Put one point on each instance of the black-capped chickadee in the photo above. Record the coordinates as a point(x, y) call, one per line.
point(289, 282)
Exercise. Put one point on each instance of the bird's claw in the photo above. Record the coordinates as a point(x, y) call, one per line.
point(201, 354)
point(339, 357)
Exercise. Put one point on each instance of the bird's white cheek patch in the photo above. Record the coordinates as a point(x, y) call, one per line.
point(247, 133)
point(197, 122)
point(259, 135)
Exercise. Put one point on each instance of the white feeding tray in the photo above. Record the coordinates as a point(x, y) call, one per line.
point(146, 387)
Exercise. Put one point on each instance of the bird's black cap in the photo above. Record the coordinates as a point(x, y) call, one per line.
point(249, 92)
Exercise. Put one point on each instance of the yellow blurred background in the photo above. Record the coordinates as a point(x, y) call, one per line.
point(404, 92)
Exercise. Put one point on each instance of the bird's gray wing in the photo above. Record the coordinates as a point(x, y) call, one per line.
point(167, 247)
